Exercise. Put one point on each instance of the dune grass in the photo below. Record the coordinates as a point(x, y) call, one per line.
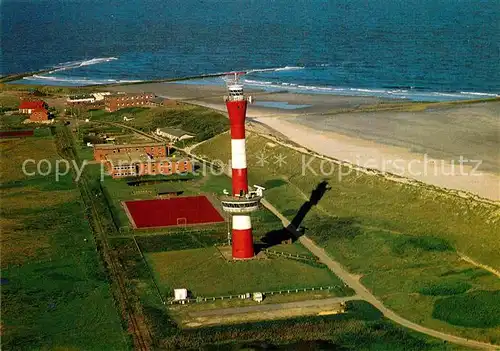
point(477, 309)
point(401, 238)
point(55, 294)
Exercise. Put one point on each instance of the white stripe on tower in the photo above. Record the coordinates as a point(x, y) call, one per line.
point(238, 154)
point(242, 222)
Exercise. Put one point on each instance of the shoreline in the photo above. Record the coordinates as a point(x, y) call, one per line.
point(333, 127)
point(369, 155)
point(395, 137)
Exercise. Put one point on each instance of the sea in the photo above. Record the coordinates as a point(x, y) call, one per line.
point(424, 50)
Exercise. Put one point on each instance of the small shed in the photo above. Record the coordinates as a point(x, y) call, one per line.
point(180, 294)
point(258, 296)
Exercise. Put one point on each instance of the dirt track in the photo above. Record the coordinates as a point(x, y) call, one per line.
point(273, 307)
point(363, 293)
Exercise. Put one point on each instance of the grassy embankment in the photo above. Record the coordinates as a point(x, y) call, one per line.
point(402, 239)
point(55, 293)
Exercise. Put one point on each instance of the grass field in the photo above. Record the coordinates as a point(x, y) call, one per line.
point(55, 294)
point(206, 273)
point(361, 329)
point(203, 123)
point(402, 239)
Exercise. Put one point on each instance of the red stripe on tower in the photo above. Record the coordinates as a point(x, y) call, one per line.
point(237, 111)
point(242, 237)
point(236, 103)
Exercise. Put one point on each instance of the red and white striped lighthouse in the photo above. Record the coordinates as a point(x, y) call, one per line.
point(242, 202)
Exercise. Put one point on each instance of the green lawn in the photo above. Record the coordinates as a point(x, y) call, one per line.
point(206, 273)
point(402, 239)
point(56, 294)
point(202, 122)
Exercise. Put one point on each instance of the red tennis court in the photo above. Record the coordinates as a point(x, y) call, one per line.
point(16, 133)
point(170, 212)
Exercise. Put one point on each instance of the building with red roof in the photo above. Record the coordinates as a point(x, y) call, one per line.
point(39, 115)
point(27, 107)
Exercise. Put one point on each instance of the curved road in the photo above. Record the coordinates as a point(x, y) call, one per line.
point(363, 293)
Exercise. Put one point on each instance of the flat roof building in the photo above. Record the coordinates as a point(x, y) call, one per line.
point(133, 160)
point(154, 149)
point(174, 134)
point(116, 102)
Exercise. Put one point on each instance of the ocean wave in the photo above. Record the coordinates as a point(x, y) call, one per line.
point(274, 69)
point(77, 81)
point(409, 94)
point(479, 94)
point(82, 63)
point(65, 66)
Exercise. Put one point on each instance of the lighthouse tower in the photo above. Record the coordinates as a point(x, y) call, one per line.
point(241, 202)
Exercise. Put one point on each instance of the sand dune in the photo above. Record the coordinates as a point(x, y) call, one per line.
point(429, 145)
point(391, 159)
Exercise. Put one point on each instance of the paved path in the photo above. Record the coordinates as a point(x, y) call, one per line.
point(273, 307)
point(363, 293)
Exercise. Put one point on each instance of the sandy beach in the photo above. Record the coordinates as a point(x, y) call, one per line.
point(449, 146)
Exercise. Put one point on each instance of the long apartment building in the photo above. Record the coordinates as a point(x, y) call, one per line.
point(116, 102)
point(140, 159)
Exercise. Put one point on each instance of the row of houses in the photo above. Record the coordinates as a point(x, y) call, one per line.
point(131, 160)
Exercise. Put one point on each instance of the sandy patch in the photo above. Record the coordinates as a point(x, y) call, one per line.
point(389, 159)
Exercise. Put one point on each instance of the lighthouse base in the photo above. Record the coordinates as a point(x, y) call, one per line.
point(242, 239)
point(226, 253)
point(242, 244)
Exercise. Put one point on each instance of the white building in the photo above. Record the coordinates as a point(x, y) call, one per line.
point(180, 294)
point(87, 99)
point(100, 96)
point(174, 134)
point(258, 296)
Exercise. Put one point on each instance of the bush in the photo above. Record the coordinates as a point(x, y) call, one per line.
point(274, 183)
point(323, 229)
point(42, 132)
point(402, 244)
point(478, 309)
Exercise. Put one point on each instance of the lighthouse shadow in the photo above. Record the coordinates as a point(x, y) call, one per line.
point(294, 230)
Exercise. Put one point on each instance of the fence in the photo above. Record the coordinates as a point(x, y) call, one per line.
point(201, 299)
point(291, 255)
